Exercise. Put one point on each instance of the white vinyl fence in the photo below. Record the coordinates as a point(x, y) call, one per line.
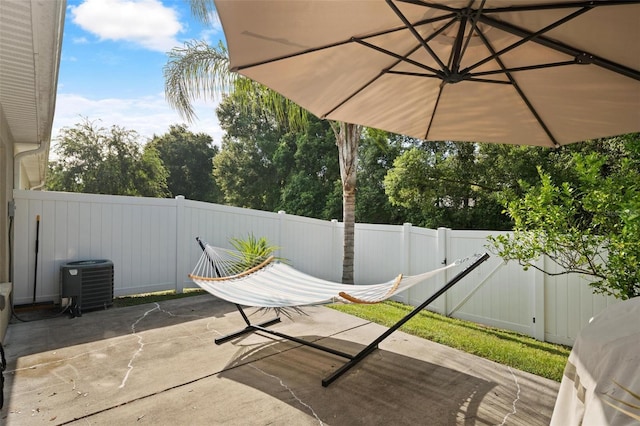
point(151, 243)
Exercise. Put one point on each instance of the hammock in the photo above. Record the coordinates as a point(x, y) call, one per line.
point(249, 281)
point(269, 283)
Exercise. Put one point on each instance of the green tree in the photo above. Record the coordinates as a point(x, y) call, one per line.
point(590, 225)
point(97, 160)
point(309, 168)
point(439, 185)
point(376, 156)
point(503, 166)
point(188, 158)
point(200, 70)
point(267, 166)
point(244, 169)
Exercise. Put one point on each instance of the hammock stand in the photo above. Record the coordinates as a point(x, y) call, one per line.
point(352, 359)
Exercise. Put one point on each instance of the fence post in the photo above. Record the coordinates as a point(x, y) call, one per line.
point(281, 218)
point(539, 278)
point(442, 252)
point(405, 267)
point(180, 253)
point(406, 249)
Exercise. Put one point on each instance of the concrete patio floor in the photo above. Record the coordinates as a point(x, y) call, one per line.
point(157, 364)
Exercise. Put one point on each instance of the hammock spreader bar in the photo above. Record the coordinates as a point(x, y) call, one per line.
point(352, 359)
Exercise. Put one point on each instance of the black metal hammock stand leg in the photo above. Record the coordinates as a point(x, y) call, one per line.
point(352, 359)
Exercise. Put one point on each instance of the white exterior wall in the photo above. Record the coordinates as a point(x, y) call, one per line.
point(152, 245)
point(6, 185)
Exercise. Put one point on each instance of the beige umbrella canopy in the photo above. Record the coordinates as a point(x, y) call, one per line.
point(527, 72)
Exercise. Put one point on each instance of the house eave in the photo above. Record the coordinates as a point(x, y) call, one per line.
point(30, 50)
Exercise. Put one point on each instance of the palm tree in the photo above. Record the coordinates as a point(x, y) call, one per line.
point(200, 71)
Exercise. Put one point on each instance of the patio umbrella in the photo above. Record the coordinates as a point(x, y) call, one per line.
point(527, 72)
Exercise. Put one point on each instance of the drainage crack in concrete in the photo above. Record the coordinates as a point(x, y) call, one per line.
point(213, 374)
point(515, 401)
point(141, 343)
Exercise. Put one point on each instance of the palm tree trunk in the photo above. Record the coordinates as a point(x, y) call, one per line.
point(347, 139)
point(349, 220)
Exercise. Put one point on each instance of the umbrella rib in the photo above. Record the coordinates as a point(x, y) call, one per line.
point(433, 114)
point(555, 6)
point(418, 24)
point(486, 80)
point(430, 5)
point(413, 74)
point(526, 68)
point(400, 58)
point(417, 74)
point(456, 51)
point(405, 58)
point(580, 56)
point(343, 42)
point(522, 95)
point(528, 36)
point(352, 95)
point(413, 31)
point(436, 73)
point(472, 28)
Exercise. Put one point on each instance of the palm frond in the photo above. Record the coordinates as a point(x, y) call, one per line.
point(199, 71)
point(202, 9)
point(252, 247)
point(196, 71)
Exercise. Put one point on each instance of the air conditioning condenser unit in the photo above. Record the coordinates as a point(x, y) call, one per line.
point(88, 283)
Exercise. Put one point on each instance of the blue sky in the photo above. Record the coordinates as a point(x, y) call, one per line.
point(113, 55)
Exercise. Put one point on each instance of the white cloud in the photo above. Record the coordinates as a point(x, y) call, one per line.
point(210, 37)
point(212, 30)
point(143, 22)
point(148, 115)
point(214, 22)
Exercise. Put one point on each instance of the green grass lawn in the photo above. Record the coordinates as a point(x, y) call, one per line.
point(506, 347)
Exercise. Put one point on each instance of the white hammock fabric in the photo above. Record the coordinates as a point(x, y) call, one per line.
point(274, 284)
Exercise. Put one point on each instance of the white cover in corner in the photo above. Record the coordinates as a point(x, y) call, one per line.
point(606, 356)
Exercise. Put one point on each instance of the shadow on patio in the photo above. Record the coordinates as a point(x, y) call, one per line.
point(157, 364)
